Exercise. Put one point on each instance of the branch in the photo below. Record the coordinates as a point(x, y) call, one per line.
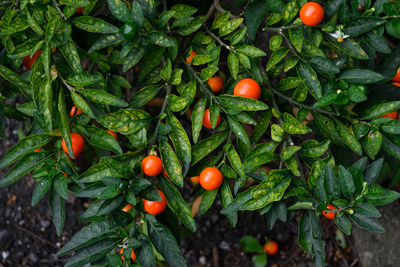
point(281, 29)
point(219, 40)
point(291, 47)
point(204, 89)
point(55, 4)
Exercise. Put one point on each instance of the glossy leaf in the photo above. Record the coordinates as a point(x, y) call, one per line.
point(125, 121)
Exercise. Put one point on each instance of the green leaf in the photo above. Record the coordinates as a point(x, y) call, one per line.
point(89, 235)
point(180, 141)
point(346, 183)
point(164, 242)
point(367, 223)
point(143, 96)
point(275, 42)
point(324, 65)
point(371, 174)
point(314, 149)
point(61, 185)
point(250, 51)
point(197, 118)
point(125, 121)
point(327, 127)
point(289, 83)
point(241, 103)
point(310, 237)
point(206, 146)
point(250, 244)
point(160, 39)
point(297, 38)
point(289, 151)
point(238, 130)
point(229, 26)
point(207, 200)
point(177, 204)
point(331, 184)
point(269, 190)
point(70, 53)
point(82, 79)
point(276, 57)
point(363, 25)
point(208, 72)
point(100, 138)
point(356, 93)
point(391, 147)
point(133, 58)
point(16, 80)
point(102, 97)
point(290, 11)
point(166, 70)
point(233, 64)
point(26, 145)
point(261, 126)
point(91, 24)
point(367, 209)
point(361, 76)
point(277, 133)
point(92, 253)
point(226, 197)
point(349, 46)
point(235, 161)
point(380, 109)
point(254, 14)
point(120, 10)
point(372, 143)
point(81, 103)
point(343, 224)
point(106, 41)
point(378, 196)
point(391, 127)
point(293, 126)
point(171, 163)
point(348, 137)
point(57, 210)
point(145, 253)
point(64, 123)
point(41, 188)
point(311, 80)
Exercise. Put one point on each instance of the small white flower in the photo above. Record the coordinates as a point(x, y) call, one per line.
point(339, 35)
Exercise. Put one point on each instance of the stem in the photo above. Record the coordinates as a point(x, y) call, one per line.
point(291, 47)
point(219, 40)
point(164, 107)
point(65, 83)
point(55, 4)
point(204, 89)
point(209, 14)
point(280, 29)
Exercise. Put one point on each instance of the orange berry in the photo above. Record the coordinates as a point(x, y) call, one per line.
point(195, 180)
point(216, 84)
point(210, 178)
point(37, 150)
point(127, 208)
point(271, 247)
point(133, 256)
point(152, 165)
point(155, 207)
point(311, 14)
point(78, 144)
point(329, 214)
point(29, 61)
point(207, 119)
point(66, 175)
point(79, 10)
point(247, 88)
point(79, 111)
point(397, 77)
point(391, 115)
point(190, 58)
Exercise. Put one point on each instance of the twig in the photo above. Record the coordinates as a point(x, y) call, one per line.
point(35, 236)
point(55, 4)
point(281, 29)
point(219, 40)
point(203, 88)
point(209, 14)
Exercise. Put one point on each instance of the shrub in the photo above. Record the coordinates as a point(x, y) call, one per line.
point(112, 82)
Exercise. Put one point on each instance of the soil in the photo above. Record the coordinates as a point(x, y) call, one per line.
point(28, 236)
